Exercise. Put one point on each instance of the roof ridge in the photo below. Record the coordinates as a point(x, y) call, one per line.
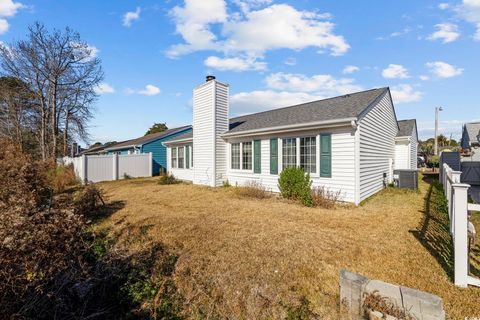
point(304, 103)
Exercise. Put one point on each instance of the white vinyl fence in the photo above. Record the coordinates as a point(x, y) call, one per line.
point(458, 207)
point(111, 167)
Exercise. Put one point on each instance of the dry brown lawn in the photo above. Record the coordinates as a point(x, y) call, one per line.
point(242, 258)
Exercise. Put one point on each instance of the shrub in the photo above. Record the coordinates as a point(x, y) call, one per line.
point(295, 184)
point(167, 179)
point(88, 201)
point(60, 177)
point(325, 198)
point(252, 189)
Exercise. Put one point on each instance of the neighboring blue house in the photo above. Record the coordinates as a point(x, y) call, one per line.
point(150, 143)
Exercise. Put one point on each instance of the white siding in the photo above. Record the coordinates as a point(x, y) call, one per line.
point(210, 119)
point(413, 149)
point(378, 129)
point(402, 155)
point(343, 164)
point(221, 126)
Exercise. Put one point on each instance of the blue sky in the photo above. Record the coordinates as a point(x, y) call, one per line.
point(272, 53)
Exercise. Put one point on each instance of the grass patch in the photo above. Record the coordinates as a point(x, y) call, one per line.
point(239, 258)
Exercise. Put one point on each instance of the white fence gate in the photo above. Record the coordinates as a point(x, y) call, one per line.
point(458, 207)
point(111, 167)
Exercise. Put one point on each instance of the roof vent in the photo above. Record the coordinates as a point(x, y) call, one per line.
point(210, 78)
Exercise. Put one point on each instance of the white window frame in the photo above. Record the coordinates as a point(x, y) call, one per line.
point(280, 152)
point(172, 165)
point(297, 150)
point(183, 157)
point(315, 137)
point(241, 170)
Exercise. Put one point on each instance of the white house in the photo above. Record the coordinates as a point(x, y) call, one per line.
point(346, 143)
point(406, 143)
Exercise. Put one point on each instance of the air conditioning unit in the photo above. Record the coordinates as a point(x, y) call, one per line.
point(405, 178)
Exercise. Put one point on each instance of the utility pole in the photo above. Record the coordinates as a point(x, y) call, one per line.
point(437, 109)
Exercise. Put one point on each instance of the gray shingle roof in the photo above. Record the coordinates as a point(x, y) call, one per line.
point(405, 127)
point(188, 135)
point(473, 131)
point(342, 107)
point(147, 138)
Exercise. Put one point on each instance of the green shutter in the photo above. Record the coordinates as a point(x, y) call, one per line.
point(187, 157)
point(257, 156)
point(273, 156)
point(326, 155)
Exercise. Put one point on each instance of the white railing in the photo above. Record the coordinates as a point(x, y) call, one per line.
point(458, 207)
point(111, 167)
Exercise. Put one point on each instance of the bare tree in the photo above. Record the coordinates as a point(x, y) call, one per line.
point(62, 71)
point(16, 112)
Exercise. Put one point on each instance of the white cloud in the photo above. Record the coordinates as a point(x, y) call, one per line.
point(321, 84)
point(395, 71)
point(282, 26)
point(234, 64)
point(444, 70)
point(251, 32)
point(469, 11)
point(150, 90)
point(8, 8)
point(4, 26)
point(350, 69)
point(193, 22)
point(290, 61)
point(443, 6)
point(405, 93)
point(255, 101)
point(424, 78)
point(131, 16)
point(285, 89)
point(447, 32)
point(89, 51)
point(104, 88)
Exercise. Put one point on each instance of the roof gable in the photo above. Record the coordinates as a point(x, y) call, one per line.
point(473, 131)
point(405, 127)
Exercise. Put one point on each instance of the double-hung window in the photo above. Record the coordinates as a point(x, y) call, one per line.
point(181, 157)
point(289, 153)
point(235, 161)
point(247, 155)
point(308, 154)
point(174, 158)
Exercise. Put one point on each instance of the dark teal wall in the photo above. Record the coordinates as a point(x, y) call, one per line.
point(159, 151)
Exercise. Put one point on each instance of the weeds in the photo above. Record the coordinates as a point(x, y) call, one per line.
point(167, 179)
point(254, 190)
point(325, 198)
point(375, 302)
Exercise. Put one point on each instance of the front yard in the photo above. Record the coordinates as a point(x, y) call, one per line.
point(242, 258)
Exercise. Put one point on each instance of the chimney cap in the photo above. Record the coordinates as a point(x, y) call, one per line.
point(210, 78)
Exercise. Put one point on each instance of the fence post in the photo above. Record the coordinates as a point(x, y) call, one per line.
point(115, 166)
point(83, 169)
point(150, 163)
point(460, 234)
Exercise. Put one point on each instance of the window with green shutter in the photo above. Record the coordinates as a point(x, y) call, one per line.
point(187, 157)
point(257, 157)
point(273, 156)
point(326, 155)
